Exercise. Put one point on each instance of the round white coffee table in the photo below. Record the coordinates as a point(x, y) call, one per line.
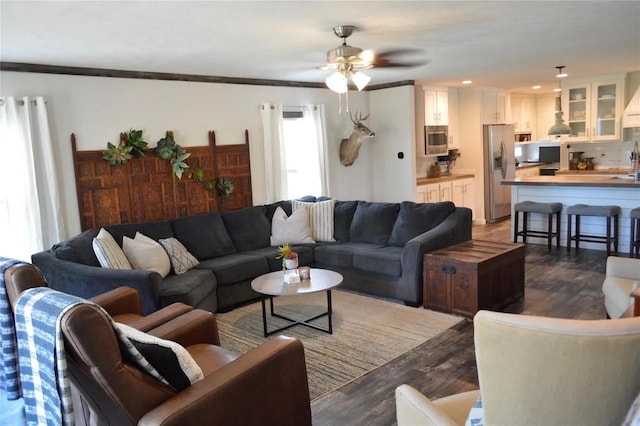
point(272, 284)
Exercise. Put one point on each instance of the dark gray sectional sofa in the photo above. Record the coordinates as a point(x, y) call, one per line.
point(378, 249)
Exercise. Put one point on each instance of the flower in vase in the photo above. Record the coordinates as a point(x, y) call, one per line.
point(288, 256)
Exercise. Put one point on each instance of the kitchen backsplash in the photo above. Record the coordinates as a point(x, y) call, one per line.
point(609, 155)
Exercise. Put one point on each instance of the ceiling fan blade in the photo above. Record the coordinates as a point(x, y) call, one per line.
point(393, 59)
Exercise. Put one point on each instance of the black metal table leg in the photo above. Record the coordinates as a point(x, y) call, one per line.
point(329, 311)
point(294, 322)
point(264, 315)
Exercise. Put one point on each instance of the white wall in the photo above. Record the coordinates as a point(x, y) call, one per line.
point(97, 109)
point(393, 114)
point(471, 149)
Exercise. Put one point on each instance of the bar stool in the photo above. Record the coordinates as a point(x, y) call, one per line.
point(600, 211)
point(527, 207)
point(634, 237)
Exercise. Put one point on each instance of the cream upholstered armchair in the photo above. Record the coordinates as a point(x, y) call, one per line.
point(620, 287)
point(541, 371)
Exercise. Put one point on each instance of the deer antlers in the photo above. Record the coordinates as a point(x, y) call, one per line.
point(359, 117)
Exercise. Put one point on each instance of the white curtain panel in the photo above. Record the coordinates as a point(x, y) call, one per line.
point(315, 115)
point(275, 163)
point(30, 215)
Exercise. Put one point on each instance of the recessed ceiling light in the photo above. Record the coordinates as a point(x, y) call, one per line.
point(536, 87)
point(467, 81)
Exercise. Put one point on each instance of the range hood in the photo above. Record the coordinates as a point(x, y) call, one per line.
point(631, 114)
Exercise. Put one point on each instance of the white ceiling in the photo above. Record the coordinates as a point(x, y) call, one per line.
point(510, 44)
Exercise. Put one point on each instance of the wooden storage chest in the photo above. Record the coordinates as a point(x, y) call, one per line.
point(474, 275)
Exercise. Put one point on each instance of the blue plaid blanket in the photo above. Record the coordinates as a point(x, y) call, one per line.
point(42, 359)
point(9, 379)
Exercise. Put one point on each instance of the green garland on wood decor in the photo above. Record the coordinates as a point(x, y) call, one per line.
point(166, 149)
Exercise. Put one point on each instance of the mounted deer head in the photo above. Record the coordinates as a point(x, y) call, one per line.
point(349, 148)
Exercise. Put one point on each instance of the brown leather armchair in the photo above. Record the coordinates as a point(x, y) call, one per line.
point(267, 385)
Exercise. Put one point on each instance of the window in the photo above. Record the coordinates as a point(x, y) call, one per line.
point(302, 150)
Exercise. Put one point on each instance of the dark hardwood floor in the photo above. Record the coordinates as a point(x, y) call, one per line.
point(556, 285)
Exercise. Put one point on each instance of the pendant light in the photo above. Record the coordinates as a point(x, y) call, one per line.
point(559, 128)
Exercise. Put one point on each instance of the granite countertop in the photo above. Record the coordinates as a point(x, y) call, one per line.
point(426, 181)
point(622, 180)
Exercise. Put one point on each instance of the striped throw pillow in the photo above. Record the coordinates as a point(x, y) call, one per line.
point(320, 216)
point(108, 252)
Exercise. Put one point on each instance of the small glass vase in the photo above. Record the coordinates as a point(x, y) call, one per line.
point(290, 263)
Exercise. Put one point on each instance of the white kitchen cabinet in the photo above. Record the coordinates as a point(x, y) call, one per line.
point(454, 135)
point(545, 116)
point(433, 192)
point(429, 193)
point(436, 106)
point(445, 191)
point(523, 114)
point(462, 193)
point(593, 110)
point(496, 107)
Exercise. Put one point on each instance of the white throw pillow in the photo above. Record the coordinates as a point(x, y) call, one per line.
point(321, 218)
point(146, 253)
point(181, 259)
point(108, 252)
point(294, 229)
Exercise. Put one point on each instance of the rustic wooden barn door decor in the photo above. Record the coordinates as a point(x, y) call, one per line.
point(144, 189)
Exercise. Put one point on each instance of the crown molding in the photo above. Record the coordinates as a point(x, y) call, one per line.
point(147, 75)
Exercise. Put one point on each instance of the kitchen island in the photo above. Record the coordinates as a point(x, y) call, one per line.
point(569, 189)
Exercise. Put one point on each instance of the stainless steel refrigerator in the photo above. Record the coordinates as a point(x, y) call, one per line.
point(499, 164)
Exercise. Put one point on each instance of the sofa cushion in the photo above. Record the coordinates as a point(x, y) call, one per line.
point(204, 235)
point(78, 249)
point(414, 219)
point(379, 260)
point(320, 217)
point(373, 222)
point(340, 255)
point(294, 229)
point(154, 230)
point(180, 258)
point(191, 288)
point(146, 253)
point(343, 213)
point(108, 252)
point(235, 268)
point(248, 228)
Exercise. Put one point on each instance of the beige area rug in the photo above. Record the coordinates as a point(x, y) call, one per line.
point(367, 333)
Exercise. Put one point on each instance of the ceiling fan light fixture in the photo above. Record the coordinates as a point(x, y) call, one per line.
point(337, 82)
point(360, 79)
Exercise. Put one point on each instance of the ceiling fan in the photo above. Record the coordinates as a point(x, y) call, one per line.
point(347, 60)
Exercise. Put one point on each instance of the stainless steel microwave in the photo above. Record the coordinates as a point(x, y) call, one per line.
point(436, 140)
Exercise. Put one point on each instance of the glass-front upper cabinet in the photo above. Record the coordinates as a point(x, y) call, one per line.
point(593, 110)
